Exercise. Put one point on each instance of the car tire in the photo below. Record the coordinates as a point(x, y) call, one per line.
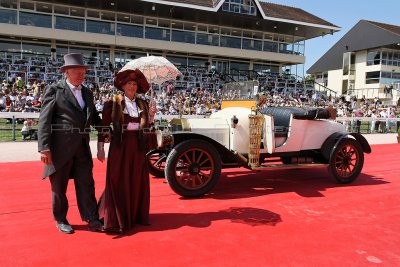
point(193, 168)
point(157, 170)
point(346, 161)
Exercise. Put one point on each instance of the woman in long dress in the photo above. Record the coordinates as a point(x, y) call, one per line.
point(126, 198)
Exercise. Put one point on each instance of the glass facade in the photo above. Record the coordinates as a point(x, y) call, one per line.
point(389, 77)
point(383, 56)
point(41, 15)
point(62, 17)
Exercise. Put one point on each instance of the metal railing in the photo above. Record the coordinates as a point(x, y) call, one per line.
point(11, 124)
point(10, 127)
point(381, 93)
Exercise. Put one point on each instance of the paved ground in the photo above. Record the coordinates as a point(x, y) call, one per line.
point(27, 150)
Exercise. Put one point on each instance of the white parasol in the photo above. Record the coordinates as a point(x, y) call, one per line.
point(156, 70)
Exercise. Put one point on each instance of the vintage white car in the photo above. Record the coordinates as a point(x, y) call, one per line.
point(192, 152)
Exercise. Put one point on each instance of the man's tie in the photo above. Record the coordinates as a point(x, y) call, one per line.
point(78, 96)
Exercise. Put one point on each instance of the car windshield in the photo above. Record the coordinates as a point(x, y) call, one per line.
point(240, 90)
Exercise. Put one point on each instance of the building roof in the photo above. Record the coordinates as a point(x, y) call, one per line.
point(268, 10)
point(291, 13)
point(392, 28)
point(205, 3)
point(364, 35)
point(275, 18)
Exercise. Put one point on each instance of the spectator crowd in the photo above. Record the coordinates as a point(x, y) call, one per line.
point(16, 96)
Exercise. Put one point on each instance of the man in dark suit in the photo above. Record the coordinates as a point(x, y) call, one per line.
point(67, 113)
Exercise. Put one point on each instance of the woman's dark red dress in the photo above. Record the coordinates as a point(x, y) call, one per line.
point(126, 198)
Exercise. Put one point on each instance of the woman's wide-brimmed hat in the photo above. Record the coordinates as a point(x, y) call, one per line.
point(123, 77)
point(73, 60)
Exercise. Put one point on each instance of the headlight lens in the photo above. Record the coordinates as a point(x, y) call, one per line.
point(164, 139)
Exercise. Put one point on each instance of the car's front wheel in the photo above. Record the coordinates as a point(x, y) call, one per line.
point(193, 168)
point(346, 161)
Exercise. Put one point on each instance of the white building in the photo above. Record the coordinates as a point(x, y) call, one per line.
point(364, 62)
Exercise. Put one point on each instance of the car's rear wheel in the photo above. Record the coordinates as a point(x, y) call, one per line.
point(346, 161)
point(193, 168)
point(156, 164)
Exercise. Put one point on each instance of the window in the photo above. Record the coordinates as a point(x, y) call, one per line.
point(10, 46)
point(93, 14)
point(61, 10)
point(178, 61)
point(100, 27)
point(37, 20)
point(208, 39)
point(270, 47)
point(230, 42)
point(239, 65)
point(252, 44)
point(123, 18)
point(373, 57)
point(151, 21)
point(8, 3)
point(164, 23)
point(197, 62)
point(108, 16)
point(130, 30)
point(72, 24)
point(157, 34)
point(35, 48)
point(183, 37)
point(240, 6)
point(27, 5)
point(372, 77)
point(8, 16)
point(45, 8)
point(137, 20)
point(78, 12)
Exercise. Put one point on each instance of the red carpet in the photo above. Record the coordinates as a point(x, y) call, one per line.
point(275, 218)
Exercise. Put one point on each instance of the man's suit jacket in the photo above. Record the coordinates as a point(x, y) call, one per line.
point(64, 126)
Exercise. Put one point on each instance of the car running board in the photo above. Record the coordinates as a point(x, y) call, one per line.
point(288, 166)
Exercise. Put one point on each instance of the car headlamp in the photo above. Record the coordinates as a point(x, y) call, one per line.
point(164, 138)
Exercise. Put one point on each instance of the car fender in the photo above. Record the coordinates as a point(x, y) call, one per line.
point(331, 142)
point(363, 142)
point(227, 156)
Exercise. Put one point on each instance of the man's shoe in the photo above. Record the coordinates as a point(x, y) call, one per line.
point(65, 227)
point(95, 225)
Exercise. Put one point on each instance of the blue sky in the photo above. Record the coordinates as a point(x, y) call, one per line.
point(344, 14)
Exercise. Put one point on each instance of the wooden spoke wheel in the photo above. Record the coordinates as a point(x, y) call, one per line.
point(346, 161)
point(156, 164)
point(193, 168)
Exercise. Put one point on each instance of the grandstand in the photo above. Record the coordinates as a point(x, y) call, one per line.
point(212, 41)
